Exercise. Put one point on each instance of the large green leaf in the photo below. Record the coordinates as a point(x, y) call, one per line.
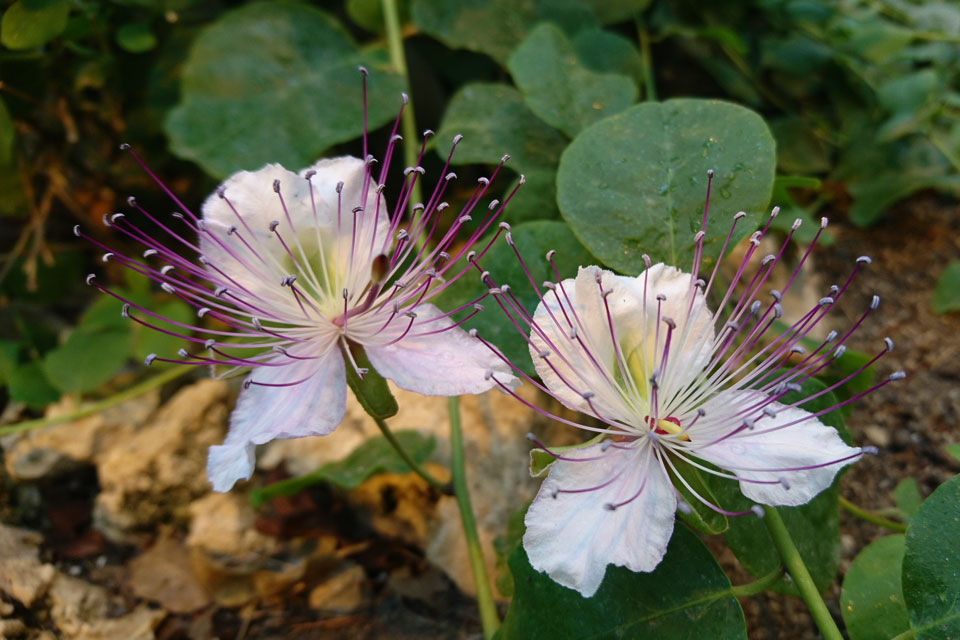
point(494, 121)
point(146, 341)
point(275, 82)
point(374, 456)
point(872, 198)
point(87, 359)
point(814, 526)
point(605, 51)
point(28, 384)
point(635, 183)
point(9, 356)
point(496, 27)
point(687, 596)
point(557, 86)
point(94, 351)
point(27, 25)
point(872, 601)
point(931, 565)
point(535, 200)
point(532, 240)
point(907, 498)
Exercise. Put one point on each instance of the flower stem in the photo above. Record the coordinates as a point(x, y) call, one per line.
point(408, 123)
point(127, 394)
point(488, 612)
point(649, 88)
point(801, 577)
point(758, 585)
point(443, 487)
point(871, 517)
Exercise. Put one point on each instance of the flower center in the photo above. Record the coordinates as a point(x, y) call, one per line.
point(666, 427)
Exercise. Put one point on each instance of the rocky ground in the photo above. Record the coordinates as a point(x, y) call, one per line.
point(110, 529)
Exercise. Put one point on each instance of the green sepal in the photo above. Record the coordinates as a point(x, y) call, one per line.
point(371, 391)
point(540, 460)
point(701, 517)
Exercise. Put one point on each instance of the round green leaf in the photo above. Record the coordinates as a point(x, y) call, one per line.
point(275, 82)
point(496, 27)
point(872, 601)
point(814, 526)
point(146, 340)
point(686, 596)
point(494, 121)
point(532, 240)
point(30, 25)
point(87, 359)
point(535, 200)
point(559, 88)
point(635, 183)
point(28, 384)
point(931, 565)
point(136, 37)
point(606, 51)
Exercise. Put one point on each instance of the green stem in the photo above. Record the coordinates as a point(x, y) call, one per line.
point(871, 517)
point(137, 390)
point(408, 123)
point(488, 612)
point(443, 487)
point(649, 88)
point(909, 634)
point(801, 577)
point(758, 585)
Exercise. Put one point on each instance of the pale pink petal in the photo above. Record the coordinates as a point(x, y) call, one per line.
point(574, 316)
point(434, 362)
point(799, 461)
point(574, 536)
point(581, 344)
point(690, 345)
point(240, 230)
point(312, 408)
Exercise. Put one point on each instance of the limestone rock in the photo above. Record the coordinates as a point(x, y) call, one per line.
point(12, 628)
point(234, 562)
point(75, 603)
point(223, 524)
point(164, 574)
point(23, 576)
point(145, 477)
point(139, 624)
point(343, 592)
point(49, 452)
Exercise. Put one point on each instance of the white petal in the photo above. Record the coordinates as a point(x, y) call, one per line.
point(447, 363)
point(690, 346)
point(251, 206)
point(633, 311)
point(574, 536)
point(312, 408)
point(252, 196)
point(575, 307)
point(808, 443)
